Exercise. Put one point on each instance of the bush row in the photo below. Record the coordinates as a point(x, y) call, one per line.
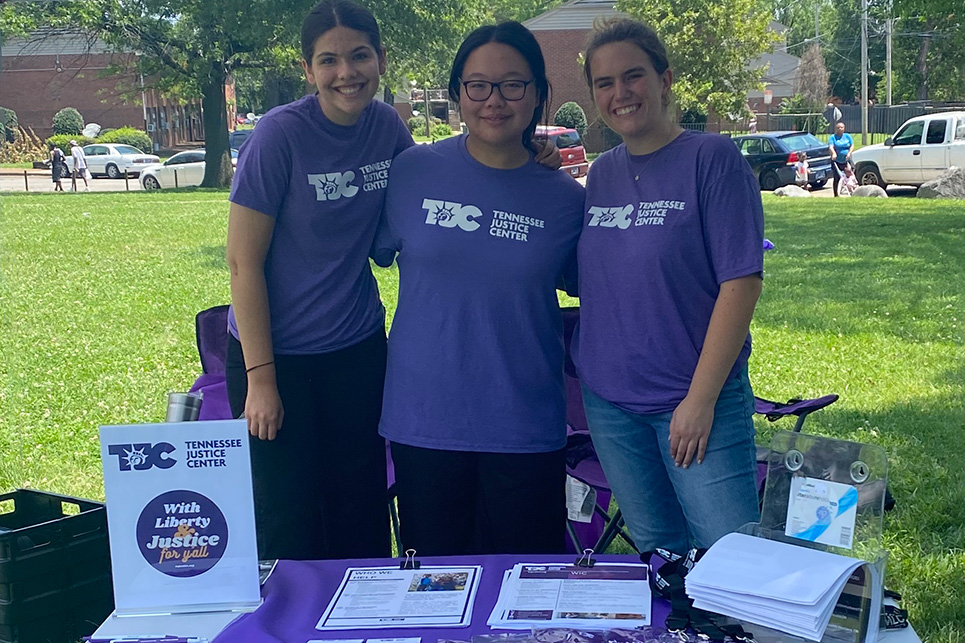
point(123, 135)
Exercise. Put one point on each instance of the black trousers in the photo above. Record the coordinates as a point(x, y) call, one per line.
point(464, 503)
point(320, 485)
point(838, 171)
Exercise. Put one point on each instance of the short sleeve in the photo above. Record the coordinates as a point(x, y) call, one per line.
point(263, 177)
point(731, 212)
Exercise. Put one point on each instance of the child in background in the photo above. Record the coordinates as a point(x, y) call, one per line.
point(849, 183)
point(801, 171)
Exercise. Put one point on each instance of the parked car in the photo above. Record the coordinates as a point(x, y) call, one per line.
point(237, 138)
point(570, 146)
point(772, 156)
point(113, 159)
point(184, 169)
point(921, 150)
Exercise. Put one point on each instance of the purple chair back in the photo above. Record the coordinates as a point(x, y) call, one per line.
point(211, 332)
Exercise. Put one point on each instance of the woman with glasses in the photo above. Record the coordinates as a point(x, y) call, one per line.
point(474, 402)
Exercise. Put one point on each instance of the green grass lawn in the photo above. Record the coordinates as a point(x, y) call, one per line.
point(862, 298)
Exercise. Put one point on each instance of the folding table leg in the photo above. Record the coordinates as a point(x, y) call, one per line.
point(614, 528)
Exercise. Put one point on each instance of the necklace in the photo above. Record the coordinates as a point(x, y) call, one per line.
point(654, 153)
point(643, 167)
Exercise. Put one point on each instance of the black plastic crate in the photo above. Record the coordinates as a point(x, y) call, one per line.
point(55, 573)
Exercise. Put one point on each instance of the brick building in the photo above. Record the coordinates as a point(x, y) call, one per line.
point(48, 72)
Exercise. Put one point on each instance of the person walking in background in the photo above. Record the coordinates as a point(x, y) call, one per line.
point(670, 261)
point(57, 164)
point(841, 145)
point(79, 161)
point(832, 115)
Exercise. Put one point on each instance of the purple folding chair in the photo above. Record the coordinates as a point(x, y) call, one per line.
point(582, 462)
point(587, 469)
point(211, 332)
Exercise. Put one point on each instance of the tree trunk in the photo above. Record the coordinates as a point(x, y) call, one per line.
point(921, 64)
point(217, 158)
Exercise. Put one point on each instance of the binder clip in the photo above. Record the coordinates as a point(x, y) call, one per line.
point(410, 562)
point(586, 560)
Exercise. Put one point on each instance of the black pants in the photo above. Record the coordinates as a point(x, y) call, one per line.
point(838, 171)
point(320, 485)
point(462, 503)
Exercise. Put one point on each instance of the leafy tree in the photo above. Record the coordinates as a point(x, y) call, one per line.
point(709, 42)
point(193, 45)
point(929, 47)
point(68, 121)
point(571, 115)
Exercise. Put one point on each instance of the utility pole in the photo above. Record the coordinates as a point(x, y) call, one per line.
point(889, 29)
point(817, 8)
point(864, 72)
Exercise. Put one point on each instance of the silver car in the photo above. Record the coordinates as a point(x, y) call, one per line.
point(114, 159)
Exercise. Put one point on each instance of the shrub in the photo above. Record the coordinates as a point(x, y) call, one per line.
point(63, 141)
point(128, 136)
point(440, 130)
point(416, 124)
point(68, 121)
point(9, 123)
point(25, 148)
point(571, 115)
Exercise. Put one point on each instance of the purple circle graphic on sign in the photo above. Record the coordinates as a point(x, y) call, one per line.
point(182, 533)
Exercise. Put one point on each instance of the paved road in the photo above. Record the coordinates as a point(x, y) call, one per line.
point(39, 181)
point(827, 192)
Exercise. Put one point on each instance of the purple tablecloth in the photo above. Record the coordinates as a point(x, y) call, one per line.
point(298, 592)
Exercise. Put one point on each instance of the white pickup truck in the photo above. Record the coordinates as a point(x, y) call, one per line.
point(921, 150)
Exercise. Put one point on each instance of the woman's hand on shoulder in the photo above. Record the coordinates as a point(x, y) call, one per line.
point(263, 407)
point(690, 430)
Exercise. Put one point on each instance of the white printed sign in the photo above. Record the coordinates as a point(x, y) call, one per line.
point(180, 516)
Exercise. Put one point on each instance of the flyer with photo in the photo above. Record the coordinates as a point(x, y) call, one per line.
point(389, 597)
point(822, 511)
point(560, 594)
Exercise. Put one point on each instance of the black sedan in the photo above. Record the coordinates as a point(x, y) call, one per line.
point(772, 156)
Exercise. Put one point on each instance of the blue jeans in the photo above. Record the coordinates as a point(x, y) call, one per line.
point(672, 507)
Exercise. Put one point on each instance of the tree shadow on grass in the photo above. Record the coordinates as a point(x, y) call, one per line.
point(925, 534)
point(896, 273)
point(212, 256)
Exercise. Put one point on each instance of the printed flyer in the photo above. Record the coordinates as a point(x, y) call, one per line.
point(180, 516)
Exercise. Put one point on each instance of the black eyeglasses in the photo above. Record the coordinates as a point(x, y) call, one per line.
point(480, 90)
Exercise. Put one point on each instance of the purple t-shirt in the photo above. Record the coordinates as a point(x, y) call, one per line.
point(476, 347)
point(662, 232)
point(325, 185)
